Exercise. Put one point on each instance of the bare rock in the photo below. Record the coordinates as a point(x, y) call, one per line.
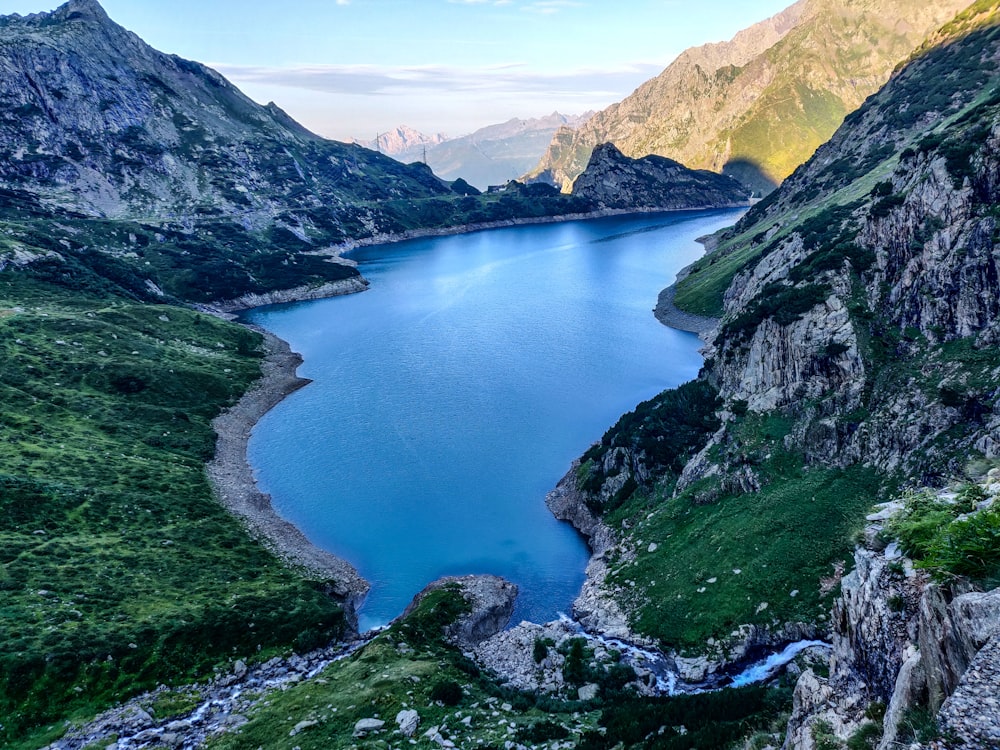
point(364, 726)
point(491, 600)
point(408, 721)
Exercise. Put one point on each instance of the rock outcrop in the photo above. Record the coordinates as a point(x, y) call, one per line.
point(490, 600)
point(902, 641)
point(613, 180)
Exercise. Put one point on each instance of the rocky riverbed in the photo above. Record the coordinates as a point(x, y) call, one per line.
point(216, 706)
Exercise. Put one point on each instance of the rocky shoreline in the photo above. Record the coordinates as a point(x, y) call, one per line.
point(298, 294)
point(672, 316)
point(237, 490)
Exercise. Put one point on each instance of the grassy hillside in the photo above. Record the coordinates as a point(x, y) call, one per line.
point(119, 569)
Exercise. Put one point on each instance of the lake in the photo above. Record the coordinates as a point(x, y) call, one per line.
point(451, 396)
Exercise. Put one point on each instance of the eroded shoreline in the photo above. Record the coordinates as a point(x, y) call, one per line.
point(232, 477)
point(672, 316)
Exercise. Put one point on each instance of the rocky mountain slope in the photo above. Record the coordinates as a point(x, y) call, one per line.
point(908, 640)
point(758, 106)
point(855, 354)
point(96, 125)
point(492, 155)
point(612, 180)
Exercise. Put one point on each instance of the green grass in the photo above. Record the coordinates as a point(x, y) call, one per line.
point(716, 564)
point(119, 570)
point(940, 537)
point(410, 667)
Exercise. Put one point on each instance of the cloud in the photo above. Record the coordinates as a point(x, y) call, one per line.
point(548, 7)
point(503, 78)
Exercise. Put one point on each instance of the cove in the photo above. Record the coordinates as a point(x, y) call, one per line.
point(450, 397)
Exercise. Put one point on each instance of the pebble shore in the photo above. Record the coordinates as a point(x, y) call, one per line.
point(237, 490)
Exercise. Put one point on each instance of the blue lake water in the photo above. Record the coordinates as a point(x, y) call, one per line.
point(451, 396)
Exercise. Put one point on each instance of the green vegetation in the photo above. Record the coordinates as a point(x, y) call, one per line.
point(757, 557)
point(222, 259)
point(784, 304)
point(410, 667)
point(945, 83)
point(689, 722)
point(119, 570)
point(950, 538)
point(667, 430)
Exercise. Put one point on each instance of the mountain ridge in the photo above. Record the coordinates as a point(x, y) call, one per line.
point(494, 154)
point(757, 119)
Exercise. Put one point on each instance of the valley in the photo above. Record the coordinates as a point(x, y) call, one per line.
point(829, 475)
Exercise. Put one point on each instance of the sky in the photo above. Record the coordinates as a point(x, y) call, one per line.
point(353, 68)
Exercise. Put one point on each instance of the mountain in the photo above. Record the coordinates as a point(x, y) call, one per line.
point(758, 106)
point(853, 361)
point(612, 180)
point(403, 139)
point(495, 154)
point(96, 125)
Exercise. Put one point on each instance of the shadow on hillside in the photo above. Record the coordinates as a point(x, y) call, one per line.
point(750, 173)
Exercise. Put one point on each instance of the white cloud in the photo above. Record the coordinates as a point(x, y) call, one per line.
point(384, 80)
point(548, 7)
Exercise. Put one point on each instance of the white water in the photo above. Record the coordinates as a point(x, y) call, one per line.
point(768, 668)
point(665, 672)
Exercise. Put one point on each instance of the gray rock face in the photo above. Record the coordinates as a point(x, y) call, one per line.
point(904, 641)
point(510, 655)
point(491, 600)
point(567, 503)
point(971, 714)
point(408, 721)
point(97, 119)
point(612, 180)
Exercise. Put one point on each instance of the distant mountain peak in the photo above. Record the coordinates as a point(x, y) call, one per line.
point(402, 138)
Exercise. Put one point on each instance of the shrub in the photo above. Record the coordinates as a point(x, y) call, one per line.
point(539, 651)
point(448, 692)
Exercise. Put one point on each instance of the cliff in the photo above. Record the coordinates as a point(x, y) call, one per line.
point(906, 646)
point(759, 105)
point(855, 354)
point(612, 180)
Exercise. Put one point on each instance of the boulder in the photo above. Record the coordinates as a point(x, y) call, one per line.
point(364, 726)
point(408, 721)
